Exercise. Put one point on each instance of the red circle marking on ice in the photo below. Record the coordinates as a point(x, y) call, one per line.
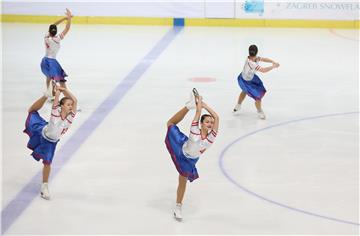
point(202, 79)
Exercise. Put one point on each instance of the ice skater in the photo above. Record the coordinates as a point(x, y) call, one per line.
point(43, 135)
point(186, 151)
point(50, 67)
point(250, 83)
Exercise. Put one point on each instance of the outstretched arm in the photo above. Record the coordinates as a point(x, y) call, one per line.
point(213, 114)
point(59, 21)
point(68, 22)
point(269, 68)
point(264, 59)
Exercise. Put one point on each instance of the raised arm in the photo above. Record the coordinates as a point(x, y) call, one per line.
point(198, 109)
point(57, 95)
point(67, 93)
point(59, 21)
point(68, 22)
point(213, 114)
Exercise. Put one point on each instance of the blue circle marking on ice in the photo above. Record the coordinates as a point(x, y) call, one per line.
point(240, 186)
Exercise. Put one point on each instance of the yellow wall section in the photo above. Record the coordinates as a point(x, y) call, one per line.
point(273, 23)
point(89, 20)
point(188, 21)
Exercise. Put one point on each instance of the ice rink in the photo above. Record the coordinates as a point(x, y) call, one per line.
point(297, 172)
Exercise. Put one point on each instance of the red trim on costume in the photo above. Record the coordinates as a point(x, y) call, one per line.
point(194, 133)
point(208, 140)
point(27, 132)
point(30, 147)
point(57, 78)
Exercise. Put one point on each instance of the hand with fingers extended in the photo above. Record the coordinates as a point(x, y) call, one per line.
point(68, 13)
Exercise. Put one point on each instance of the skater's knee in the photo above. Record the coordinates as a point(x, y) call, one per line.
point(169, 123)
point(47, 166)
point(182, 180)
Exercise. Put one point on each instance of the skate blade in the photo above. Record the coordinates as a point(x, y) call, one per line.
point(44, 197)
point(195, 92)
point(177, 218)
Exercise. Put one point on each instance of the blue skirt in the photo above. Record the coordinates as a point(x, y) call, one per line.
point(254, 88)
point(174, 141)
point(42, 148)
point(52, 69)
